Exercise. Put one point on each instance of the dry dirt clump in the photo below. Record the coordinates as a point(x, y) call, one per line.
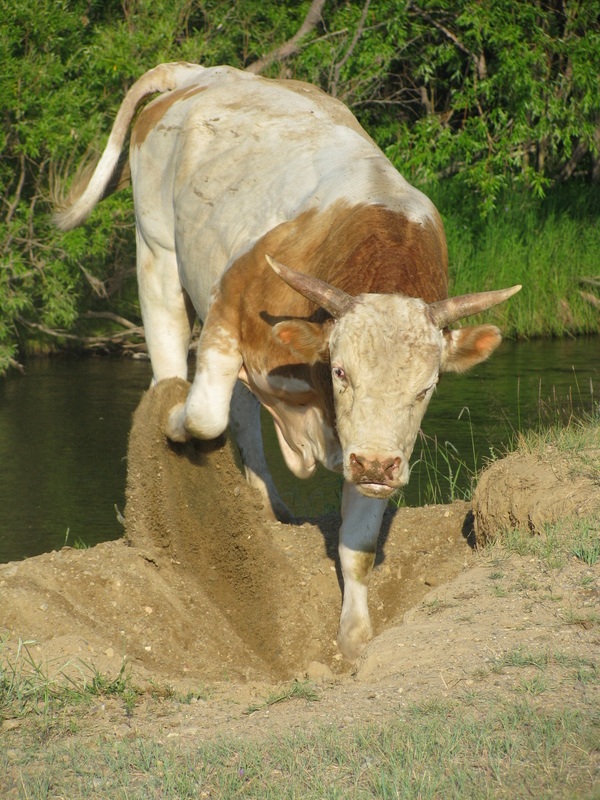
point(188, 506)
point(529, 489)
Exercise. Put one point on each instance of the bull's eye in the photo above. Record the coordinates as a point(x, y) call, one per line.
point(339, 373)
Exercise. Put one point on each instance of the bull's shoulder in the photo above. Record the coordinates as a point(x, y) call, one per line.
point(359, 248)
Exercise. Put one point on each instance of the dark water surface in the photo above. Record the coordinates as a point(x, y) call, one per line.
point(64, 428)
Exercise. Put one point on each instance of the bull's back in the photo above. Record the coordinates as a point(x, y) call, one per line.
point(219, 163)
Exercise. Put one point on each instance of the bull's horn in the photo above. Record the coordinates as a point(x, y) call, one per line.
point(333, 300)
point(445, 312)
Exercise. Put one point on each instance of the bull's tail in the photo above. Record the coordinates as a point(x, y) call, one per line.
point(86, 192)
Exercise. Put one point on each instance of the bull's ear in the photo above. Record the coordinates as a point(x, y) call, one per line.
point(465, 347)
point(308, 341)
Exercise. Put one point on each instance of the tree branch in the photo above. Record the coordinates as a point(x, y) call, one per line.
point(113, 317)
point(478, 60)
point(92, 342)
point(291, 46)
point(357, 34)
point(98, 286)
point(581, 150)
point(16, 365)
point(12, 206)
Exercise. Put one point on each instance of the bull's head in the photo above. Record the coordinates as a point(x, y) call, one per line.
point(386, 352)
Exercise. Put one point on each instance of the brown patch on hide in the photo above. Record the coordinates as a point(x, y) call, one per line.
point(155, 111)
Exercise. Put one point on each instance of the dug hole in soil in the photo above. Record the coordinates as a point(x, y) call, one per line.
point(203, 590)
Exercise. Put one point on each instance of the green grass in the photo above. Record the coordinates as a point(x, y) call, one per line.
point(540, 659)
point(572, 537)
point(297, 690)
point(579, 439)
point(588, 550)
point(441, 750)
point(29, 686)
point(440, 472)
point(482, 746)
point(547, 245)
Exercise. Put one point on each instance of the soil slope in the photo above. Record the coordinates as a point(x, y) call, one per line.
point(204, 592)
point(203, 586)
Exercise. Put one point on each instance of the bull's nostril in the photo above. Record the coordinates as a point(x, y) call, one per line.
point(391, 466)
point(356, 461)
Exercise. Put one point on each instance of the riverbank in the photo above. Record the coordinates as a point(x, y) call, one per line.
point(63, 409)
point(482, 682)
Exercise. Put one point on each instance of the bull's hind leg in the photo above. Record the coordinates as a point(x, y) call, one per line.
point(205, 413)
point(361, 523)
point(245, 424)
point(167, 312)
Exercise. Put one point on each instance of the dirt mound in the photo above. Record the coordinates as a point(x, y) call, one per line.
point(206, 595)
point(191, 504)
point(204, 588)
point(526, 491)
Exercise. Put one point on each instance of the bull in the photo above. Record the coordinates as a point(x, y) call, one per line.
point(320, 277)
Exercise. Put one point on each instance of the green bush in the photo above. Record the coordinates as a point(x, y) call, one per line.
point(495, 95)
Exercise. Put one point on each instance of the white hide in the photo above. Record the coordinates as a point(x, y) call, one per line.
point(226, 165)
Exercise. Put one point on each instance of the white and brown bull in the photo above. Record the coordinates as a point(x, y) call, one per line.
point(320, 276)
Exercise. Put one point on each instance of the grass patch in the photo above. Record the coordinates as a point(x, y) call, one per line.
point(578, 440)
point(30, 686)
point(559, 541)
point(579, 443)
point(586, 621)
point(442, 475)
point(479, 747)
point(583, 670)
point(298, 690)
point(587, 548)
point(431, 607)
point(438, 472)
point(536, 685)
point(443, 749)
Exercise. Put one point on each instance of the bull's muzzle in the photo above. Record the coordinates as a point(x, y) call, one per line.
point(377, 476)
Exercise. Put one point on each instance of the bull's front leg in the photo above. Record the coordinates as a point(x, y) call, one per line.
point(361, 523)
point(205, 413)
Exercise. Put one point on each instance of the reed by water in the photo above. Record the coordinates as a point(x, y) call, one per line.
point(546, 244)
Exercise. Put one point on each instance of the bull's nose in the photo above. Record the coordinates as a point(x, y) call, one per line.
point(375, 469)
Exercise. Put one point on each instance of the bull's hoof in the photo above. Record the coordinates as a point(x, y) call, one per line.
point(175, 428)
point(352, 638)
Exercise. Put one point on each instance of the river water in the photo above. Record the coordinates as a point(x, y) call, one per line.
point(64, 428)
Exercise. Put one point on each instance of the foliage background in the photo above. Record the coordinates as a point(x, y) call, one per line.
point(491, 106)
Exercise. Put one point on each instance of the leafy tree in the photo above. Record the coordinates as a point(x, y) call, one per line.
point(488, 93)
point(509, 91)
